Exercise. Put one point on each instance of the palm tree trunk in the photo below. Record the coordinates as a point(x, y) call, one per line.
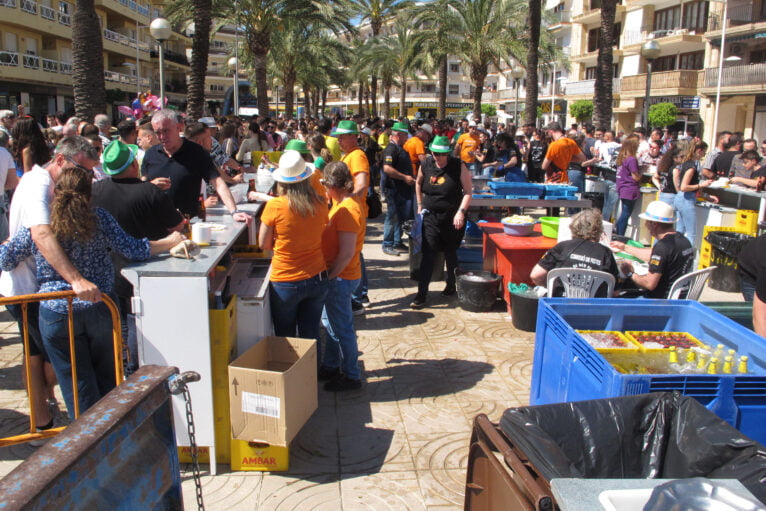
point(387, 100)
point(87, 62)
point(374, 95)
point(441, 112)
point(602, 101)
point(195, 94)
point(259, 44)
point(530, 103)
point(289, 84)
point(478, 75)
point(360, 98)
point(324, 102)
point(402, 97)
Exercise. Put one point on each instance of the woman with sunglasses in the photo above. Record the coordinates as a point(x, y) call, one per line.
point(342, 242)
point(443, 191)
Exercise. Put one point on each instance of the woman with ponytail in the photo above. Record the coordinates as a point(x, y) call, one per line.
point(86, 235)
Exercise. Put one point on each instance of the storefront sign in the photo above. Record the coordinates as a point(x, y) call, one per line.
point(685, 102)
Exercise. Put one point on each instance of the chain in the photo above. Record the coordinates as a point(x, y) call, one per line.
point(194, 450)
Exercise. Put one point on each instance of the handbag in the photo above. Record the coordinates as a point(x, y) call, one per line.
point(374, 205)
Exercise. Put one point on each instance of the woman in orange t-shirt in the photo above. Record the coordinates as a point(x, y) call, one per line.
point(292, 224)
point(342, 243)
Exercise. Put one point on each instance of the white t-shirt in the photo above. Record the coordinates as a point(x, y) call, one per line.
point(607, 149)
point(6, 165)
point(30, 207)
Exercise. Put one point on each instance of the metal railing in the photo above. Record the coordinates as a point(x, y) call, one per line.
point(48, 13)
point(24, 301)
point(679, 79)
point(29, 6)
point(8, 3)
point(9, 58)
point(732, 76)
point(65, 19)
point(31, 61)
point(66, 67)
point(50, 65)
point(111, 35)
point(736, 15)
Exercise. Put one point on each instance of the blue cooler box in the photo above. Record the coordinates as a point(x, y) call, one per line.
point(567, 368)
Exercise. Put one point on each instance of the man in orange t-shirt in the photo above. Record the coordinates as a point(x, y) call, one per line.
point(561, 152)
point(416, 147)
point(466, 146)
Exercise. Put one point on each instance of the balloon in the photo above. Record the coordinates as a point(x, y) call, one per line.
point(126, 110)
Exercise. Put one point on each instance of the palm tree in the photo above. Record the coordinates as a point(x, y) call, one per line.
point(433, 20)
point(375, 57)
point(602, 100)
point(376, 12)
point(488, 31)
point(87, 62)
point(261, 19)
point(533, 46)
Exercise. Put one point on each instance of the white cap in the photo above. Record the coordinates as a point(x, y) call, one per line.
point(429, 129)
point(209, 121)
point(658, 211)
point(471, 124)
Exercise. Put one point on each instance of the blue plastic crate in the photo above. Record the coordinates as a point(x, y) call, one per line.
point(470, 255)
point(560, 192)
point(533, 190)
point(566, 368)
point(522, 196)
point(487, 196)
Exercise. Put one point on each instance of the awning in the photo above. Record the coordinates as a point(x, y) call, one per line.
point(734, 39)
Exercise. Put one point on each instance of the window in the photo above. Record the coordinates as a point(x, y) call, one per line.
point(667, 63)
point(453, 89)
point(693, 60)
point(590, 73)
point(454, 68)
point(594, 36)
point(758, 56)
point(694, 17)
point(428, 87)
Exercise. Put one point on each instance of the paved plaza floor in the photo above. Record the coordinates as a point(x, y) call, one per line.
point(399, 443)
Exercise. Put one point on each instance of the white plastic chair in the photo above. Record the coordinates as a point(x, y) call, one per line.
point(694, 282)
point(580, 282)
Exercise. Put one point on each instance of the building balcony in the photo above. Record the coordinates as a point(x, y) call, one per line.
point(588, 87)
point(679, 82)
point(11, 4)
point(47, 13)
point(679, 40)
point(591, 56)
point(743, 79)
point(172, 56)
point(123, 79)
point(591, 12)
point(9, 58)
point(740, 15)
point(29, 6)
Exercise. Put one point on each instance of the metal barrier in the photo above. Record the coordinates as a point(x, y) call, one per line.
point(24, 301)
point(120, 454)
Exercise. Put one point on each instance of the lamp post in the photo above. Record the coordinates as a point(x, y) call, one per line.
point(161, 30)
point(234, 66)
point(650, 50)
point(720, 69)
point(516, 74)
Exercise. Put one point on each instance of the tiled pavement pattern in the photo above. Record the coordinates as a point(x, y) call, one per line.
point(399, 443)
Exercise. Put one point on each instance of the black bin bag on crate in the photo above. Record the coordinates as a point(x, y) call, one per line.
point(658, 435)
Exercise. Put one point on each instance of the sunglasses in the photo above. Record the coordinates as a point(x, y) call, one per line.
point(78, 166)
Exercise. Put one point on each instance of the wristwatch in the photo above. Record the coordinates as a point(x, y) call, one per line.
point(463, 210)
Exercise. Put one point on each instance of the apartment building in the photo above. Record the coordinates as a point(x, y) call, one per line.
point(36, 54)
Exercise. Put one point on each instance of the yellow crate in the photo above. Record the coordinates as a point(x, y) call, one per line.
point(629, 344)
point(634, 335)
point(259, 456)
point(747, 221)
point(706, 249)
point(203, 454)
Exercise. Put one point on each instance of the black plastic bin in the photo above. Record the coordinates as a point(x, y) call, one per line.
point(658, 435)
point(477, 290)
point(596, 199)
point(524, 309)
point(726, 247)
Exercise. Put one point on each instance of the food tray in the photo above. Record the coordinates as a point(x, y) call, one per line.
point(629, 345)
point(684, 341)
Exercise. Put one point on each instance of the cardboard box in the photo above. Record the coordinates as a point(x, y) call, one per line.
point(273, 390)
point(259, 456)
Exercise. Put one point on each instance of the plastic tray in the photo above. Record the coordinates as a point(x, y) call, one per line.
point(634, 336)
point(522, 196)
point(533, 190)
point(566, 368)
point(630, 346)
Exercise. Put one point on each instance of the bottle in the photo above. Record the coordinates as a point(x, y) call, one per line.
point(701, 361)
point(247, 159)
point(186, 231)
point(690, 356)
point(250, 188)
point(742, 367)
point(673, 355)
point(201, 209)
point(713, 367)
point(728, 362)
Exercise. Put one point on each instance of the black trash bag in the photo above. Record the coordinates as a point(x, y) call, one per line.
point(658, 435)
point(730, 243)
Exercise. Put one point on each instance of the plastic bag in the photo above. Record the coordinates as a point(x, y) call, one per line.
point(517, 288)
point(416, 233)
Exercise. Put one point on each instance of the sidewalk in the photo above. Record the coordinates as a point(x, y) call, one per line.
point(401, 442)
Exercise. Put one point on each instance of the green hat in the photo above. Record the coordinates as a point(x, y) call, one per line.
point(118, 157)
point(297, 145)
point(400, 126)
point(440, 145)
point(346, 128)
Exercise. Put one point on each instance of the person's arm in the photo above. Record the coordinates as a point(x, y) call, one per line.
point(395, 174)
point(419, 192)
point(15, 250)
point(579, 157)
point(539, 276)
point(361, 182)
point(759, 316)
point(165, 244)
point(458, 146)
point(50, 249)
point(648, 281)
point(228, 200)
point(656, 179)
point(465, 180)
point(635, 172)
point(26, 159)
point(643, 253)
point(266, 237)
point(546, 163)
point(11, 179)
point(346, 251)
point(686, 185)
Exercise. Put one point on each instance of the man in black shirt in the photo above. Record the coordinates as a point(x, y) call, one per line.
point(752, 275)
point(670, 258)
point(723, 162)
point(179, 166)
point(398, 186)
point(142, 210)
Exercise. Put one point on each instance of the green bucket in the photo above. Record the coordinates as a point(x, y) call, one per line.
point(550, 226)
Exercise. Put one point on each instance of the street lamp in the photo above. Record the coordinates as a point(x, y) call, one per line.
point(516, 74)
point(720, 68)
point(161, 30)
point(234, 66)
point(650, 50)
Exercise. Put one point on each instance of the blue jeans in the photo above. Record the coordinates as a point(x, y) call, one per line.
point(398, 211)
point(667, 198)
point(627, 209)
point(747, 288)
point(576, 179)
point(474, 168)
point(94, 351)
point(686, 219)
point(338, 320)
point(360, 293)
point(296, 307)
point(610, 200)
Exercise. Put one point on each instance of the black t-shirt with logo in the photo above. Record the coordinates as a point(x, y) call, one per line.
point(537, 150)
point(578, 253)
point(722, 163)
point(752, 264)
point(672, 257)
point(395, 156)
point(441, 187)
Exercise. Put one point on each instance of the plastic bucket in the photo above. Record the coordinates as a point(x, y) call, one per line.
point(477, 290)
point(725, 250)
point(524, 310)
point(550, 226)
point(596, 199)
